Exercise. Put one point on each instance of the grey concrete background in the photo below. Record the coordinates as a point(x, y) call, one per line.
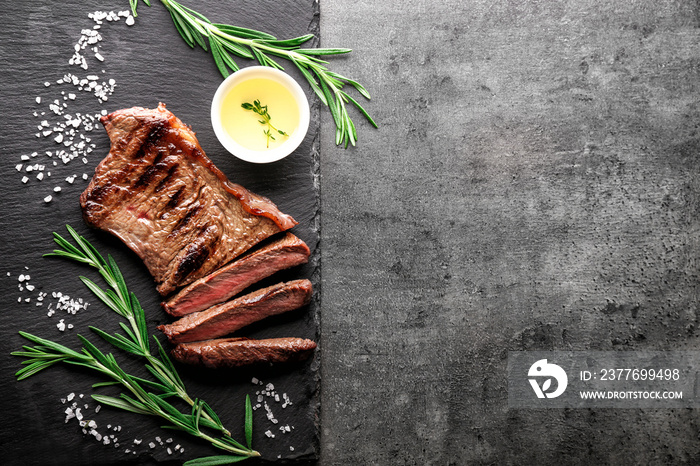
point(533, 185)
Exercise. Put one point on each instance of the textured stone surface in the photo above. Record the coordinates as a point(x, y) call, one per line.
point(533, 185)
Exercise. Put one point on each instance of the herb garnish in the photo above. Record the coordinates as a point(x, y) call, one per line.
point(201, 421)
point(262, 111)
point(225, 40)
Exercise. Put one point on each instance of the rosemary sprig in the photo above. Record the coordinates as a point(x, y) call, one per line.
point(225, 41)
point(168, 383)
point(261, 110)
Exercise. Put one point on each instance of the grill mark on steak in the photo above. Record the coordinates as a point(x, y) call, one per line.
point(144, 190)
point(98, 194)
point(228, 317)
point(175, 200)
point(158, 130)
point(162, 184)
point(238, 352)
point(147, 177)
point(229, 280)
point(185, 220)
point(195, 255)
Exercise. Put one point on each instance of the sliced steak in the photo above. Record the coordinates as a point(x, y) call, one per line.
point(159, 193)
point(237, 352)
point(228, 317)
point(238, 275)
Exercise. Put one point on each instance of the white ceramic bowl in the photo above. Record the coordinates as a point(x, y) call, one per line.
point(270, 155)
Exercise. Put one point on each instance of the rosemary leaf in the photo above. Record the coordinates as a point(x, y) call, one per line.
point(326, 51)
point(243, 32)
point(182, 28)
point(218, 460)
point(248, 427)
point(218, 59)
point(362, 110)
point(120, 403)
point(35, 367)
point(65, 245)
point(62, 350)
point(290, 43)
point(117, 340)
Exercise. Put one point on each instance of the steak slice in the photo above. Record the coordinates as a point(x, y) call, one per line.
point(231, 279)
point(228, 317)
point(159, 193)
point(237, 352)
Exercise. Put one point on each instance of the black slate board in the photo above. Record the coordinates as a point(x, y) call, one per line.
point(150, 64)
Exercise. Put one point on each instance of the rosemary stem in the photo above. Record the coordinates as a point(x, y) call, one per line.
point(157, 411)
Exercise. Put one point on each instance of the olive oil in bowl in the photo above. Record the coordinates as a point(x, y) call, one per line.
point(260, 114)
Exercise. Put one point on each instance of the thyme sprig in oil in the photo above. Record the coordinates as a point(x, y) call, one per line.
point(261, 110)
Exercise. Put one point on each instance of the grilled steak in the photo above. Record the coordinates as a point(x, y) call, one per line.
point(233, 278)
point(228, 317)
point(237, 352)
point(159, 193)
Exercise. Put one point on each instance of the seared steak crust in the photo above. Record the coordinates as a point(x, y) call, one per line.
point(231, 279)
point(159, 193)
point(226, 318)
point(237, 352)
